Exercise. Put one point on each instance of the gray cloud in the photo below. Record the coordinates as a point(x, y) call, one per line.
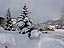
point(42, 10)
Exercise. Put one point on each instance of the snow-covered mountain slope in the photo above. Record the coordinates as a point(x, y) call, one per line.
point(59, 30)
point(49, 40)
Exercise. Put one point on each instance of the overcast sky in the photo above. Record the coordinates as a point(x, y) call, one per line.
point(41, 10)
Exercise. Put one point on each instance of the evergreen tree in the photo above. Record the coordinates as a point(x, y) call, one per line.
point(24, 17)
point(25, 20)
point(25, 13)
point(8, 24)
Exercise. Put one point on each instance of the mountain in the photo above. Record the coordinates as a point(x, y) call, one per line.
point(58, 22)
point(54, 22)
point(48, 22)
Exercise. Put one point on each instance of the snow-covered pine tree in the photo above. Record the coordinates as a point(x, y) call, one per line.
point(8, 24)
point(24, 20)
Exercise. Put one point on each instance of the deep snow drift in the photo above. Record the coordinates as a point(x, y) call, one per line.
point(49, 40)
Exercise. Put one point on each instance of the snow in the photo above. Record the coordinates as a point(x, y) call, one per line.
point(13, 21)
point(7, 40)
point(53, 39)
point(48, 42)
point(21, 23)
point(59, 30)
point(35, 33)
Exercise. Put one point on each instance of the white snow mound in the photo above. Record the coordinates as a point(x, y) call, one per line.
point(7, 39)
point(48, 42)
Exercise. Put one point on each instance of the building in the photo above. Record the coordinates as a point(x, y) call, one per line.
point(2, 21)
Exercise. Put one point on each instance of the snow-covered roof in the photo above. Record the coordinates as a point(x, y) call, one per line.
point(2, 17)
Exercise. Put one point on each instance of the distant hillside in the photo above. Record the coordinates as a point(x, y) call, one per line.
point(48, 22)
point(59, 22)
point(53, 22)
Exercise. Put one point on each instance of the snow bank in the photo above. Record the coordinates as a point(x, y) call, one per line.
point(7, 40)
point(48, 42)
point(22, 41)
point(35, 33)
